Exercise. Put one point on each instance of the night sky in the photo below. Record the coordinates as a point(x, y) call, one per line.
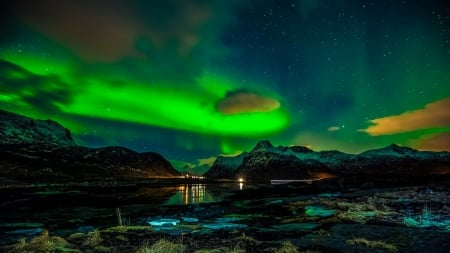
point(192, 79)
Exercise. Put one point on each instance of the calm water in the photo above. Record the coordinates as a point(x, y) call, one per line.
point(201, 193)
point(64, 210)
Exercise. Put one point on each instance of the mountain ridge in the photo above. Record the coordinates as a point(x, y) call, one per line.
point(18, 129)
point(266, 162)
point(33, 149)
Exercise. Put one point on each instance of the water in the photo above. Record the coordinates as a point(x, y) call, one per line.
point(62, 210)
point(201, 193)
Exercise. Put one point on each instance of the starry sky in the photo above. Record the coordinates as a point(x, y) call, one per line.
point(191, 79)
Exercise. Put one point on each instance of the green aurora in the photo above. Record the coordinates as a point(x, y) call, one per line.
point(296, 73)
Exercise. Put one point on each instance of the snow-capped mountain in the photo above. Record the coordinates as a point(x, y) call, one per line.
point(16, 129)
point(266, 162)
point(225, 166)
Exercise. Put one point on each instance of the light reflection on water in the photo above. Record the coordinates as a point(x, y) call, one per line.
point(201, 193)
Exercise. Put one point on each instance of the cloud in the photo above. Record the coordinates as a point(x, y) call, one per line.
point(436, 142)
point(160, 35)
point(94, 30)
point(334, 128)
point(241, 101)
point(434, 115)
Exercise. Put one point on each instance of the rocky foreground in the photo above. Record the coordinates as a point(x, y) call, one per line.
point(294, 218)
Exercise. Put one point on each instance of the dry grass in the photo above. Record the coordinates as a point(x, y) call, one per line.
point(287, 247)
point(93, 239)
point(43, 244)
point(373, 244)
point(221, 250)
point(125, 229)
point(163, 246)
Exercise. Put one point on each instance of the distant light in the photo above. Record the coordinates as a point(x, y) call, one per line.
point(241, 180)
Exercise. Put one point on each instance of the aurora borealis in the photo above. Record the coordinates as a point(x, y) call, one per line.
point(191, 79)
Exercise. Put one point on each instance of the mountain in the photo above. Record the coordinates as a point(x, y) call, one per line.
point(44, 150)
point(266, 162)
point(190, 168)
point(16, 129)
point(225, 166)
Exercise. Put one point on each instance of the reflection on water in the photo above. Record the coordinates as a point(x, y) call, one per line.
point(194, 193)
point(190, 194)
point(201, 193)
point(69, 208)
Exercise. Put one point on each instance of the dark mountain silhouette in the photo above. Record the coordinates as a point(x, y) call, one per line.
point(44, 150)
point(266, 162)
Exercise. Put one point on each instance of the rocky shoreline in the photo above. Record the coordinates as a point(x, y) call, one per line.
point(295, 217)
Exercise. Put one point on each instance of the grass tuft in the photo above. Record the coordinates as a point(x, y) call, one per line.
point(287, 247)
point(222, 250)
point(43, 244)
point(163, 246)
point(373, 244)
point(93, 239)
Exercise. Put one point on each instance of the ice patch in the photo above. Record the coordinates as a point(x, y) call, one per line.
point(164, 222)
point(225, 226)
